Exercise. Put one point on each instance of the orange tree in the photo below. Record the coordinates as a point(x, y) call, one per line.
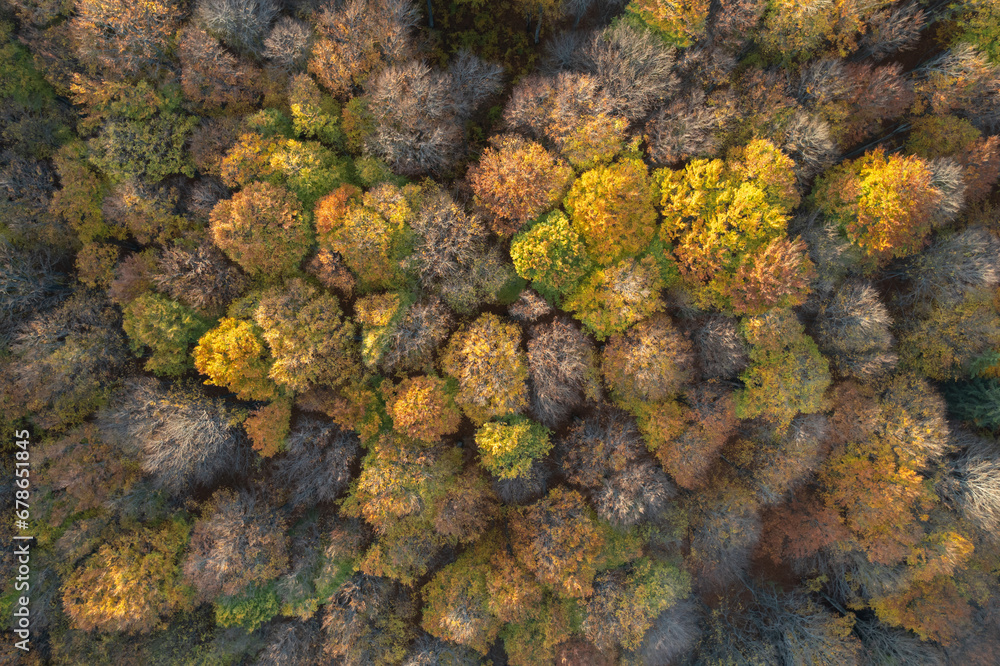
point(517, 181)
point(883, 203)
point(261, 229)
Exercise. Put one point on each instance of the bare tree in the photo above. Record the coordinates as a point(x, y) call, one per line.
point(674, 634)
point(951, 269)
point(238, 542)
point(287, 45)
point(317, 465)
point(200, 278)
point(852, 330)
point(290, 643)
point(633, 66)
point(184, 437)
point(973, 484)
point(561, 360)
point(722, 350)
point(241, 24)
point(684, 129)
point(892, 30)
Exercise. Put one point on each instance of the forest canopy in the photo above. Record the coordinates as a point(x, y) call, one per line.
point(550, 333)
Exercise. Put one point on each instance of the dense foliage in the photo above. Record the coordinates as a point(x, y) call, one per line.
point(549, 332)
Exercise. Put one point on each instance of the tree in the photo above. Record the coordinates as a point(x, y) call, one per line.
point(354, 42)
point(518, 180)
point(468, 508)
point(726, 221)
point(233, 355)
point(186, 439)
point(427, 651)
point(368, 243)
point(960, 79)
point(687, 438)
point(633, 66)
point(787, 374)
point(29, 283)
point(316, 465)
point(569, 111)
point(673, 634)
point(626, 601)
point(882, 203)
point(448, 239)
point(972, 485)
point(892, 30)
point(612, 209)
point(725, 527)
point(238, 542)
point(556, 539)
point(562, 365)
point(130, 583)
point(944, 344)
point(457, 602)
point(951, 270)
point(416, 336)
point(125, 40)
point(369, 621)
point(310, 340)
point(976, 401)
point(287, 45)
point(649, 362)
point(680, 24)
point(723, 353)
point(140, 131)
point(65, 361)
point(797, 31)
point(852, 330)
point(508, 448)
point(683, 129)
point(779, 275)
point(424, 409)
point(149, 213)
point(165, 327)
point(268, 426)
point(485, 358)
point(612, 299)
point(211, 75)
point(552, 255)
point(199, 278)
point(241, 24)
point(314, 115)
point(933, 137)
point(399, 478)
point(419, 112)
point(803, 631)
point(261, 229)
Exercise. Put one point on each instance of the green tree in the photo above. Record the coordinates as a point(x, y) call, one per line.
point(508, 448)
point(787, 373)
point(167, 329)
point(552, 255)
point(310, 339)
